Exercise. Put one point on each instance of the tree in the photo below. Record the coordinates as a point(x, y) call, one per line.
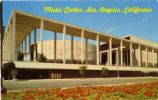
point(42, 58)
point(7, 68)
point(82, 70)
point(104, 71)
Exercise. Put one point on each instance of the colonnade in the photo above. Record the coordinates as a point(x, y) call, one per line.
point(9, 45)
point(9, 41)
point(124, 56)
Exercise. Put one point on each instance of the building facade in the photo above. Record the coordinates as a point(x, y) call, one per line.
point(126, 54)
point(48, 51)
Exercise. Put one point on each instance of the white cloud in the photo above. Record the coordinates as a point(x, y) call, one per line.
point(110, 30)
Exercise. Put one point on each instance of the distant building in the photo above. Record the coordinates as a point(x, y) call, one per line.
point(48, 51)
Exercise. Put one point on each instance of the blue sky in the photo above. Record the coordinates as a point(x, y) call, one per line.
point(144, 25)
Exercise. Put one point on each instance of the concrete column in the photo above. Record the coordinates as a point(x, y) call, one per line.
point(72, 42)
point(64, 44)
point(86, 49)
point(19, 49)
point(82, 47)
point(41, 35)
point(35, 51)
point(11, 41)
point(29, 55)
point(131, 56)
point(17, 52)
point(98, 49)
point(121, 52)
point(14, 37)
point(107, 62)
point(7, 46)
point(3, 54)
point(25, 49)
point(55, 39)
point(117, 56)
point(110, 51)
point(124, 57)
point(10, 44)
point(153, 57)
point(100, 58)
point(3, 47)
point(139, 56)
point(146, 63)
point(127, 59)
point(134, 57)
point(5, 50)
point(22, 47)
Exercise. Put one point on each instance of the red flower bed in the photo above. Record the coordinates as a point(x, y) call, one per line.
point(121, 92)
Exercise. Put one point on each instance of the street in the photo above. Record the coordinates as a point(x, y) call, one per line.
point(17, 85)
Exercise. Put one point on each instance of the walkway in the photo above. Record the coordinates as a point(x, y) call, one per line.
point(17, 85)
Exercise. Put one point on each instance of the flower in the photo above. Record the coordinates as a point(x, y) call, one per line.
point(146, 90)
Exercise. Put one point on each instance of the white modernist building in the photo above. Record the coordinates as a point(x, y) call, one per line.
point(129, 53)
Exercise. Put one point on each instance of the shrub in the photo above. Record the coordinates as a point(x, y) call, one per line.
point(82, 70)
point(104, 71)
point(42, 58)
point(7, 67)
